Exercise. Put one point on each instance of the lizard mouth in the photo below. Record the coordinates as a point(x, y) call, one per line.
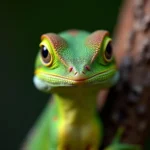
point(56, 80)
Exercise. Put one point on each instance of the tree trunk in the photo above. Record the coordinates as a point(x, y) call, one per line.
point(128, 103)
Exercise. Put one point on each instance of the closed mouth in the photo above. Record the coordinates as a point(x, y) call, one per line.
point(56, 79)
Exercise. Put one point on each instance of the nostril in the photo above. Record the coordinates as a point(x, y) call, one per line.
point(83, 72)
point(87, 68)
point(70, 69)
point(75, 73)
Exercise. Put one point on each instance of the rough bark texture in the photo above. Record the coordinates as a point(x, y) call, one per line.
point(128, 103)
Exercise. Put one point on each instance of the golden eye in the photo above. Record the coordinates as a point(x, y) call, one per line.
point(45, 55)
point(108, 52)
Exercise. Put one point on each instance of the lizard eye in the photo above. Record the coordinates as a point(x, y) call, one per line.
point(108, 52)
point(45, 55)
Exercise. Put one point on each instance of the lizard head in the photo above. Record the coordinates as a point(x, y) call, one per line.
point(75, 58)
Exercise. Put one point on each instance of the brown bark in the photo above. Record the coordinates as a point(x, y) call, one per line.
point(128, 102)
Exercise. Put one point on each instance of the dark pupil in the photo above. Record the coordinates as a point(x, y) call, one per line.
point(108, 51)
point(44, 51)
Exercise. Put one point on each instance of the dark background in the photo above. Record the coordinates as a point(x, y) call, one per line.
point(21, 24)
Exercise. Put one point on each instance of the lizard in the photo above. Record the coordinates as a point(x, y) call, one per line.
point(73, 66)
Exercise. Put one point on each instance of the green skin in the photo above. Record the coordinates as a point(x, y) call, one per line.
point(74, 73)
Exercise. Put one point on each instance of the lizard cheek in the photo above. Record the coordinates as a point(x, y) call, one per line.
point(41, 85)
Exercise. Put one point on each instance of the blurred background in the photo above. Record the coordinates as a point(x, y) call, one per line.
point(21, 25)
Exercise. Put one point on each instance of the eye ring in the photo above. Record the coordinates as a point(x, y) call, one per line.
point(46, 57)
point(108, 52)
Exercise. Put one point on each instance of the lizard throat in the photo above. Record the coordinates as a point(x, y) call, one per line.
point(76, 105)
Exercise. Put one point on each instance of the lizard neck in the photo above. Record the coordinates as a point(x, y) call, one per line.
point(76, 105)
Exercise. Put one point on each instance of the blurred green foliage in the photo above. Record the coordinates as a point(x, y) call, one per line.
point(21, 25)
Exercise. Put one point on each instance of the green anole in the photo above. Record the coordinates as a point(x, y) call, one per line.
point(73, 66)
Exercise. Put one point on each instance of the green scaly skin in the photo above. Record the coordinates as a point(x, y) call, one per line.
point(73, 66)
